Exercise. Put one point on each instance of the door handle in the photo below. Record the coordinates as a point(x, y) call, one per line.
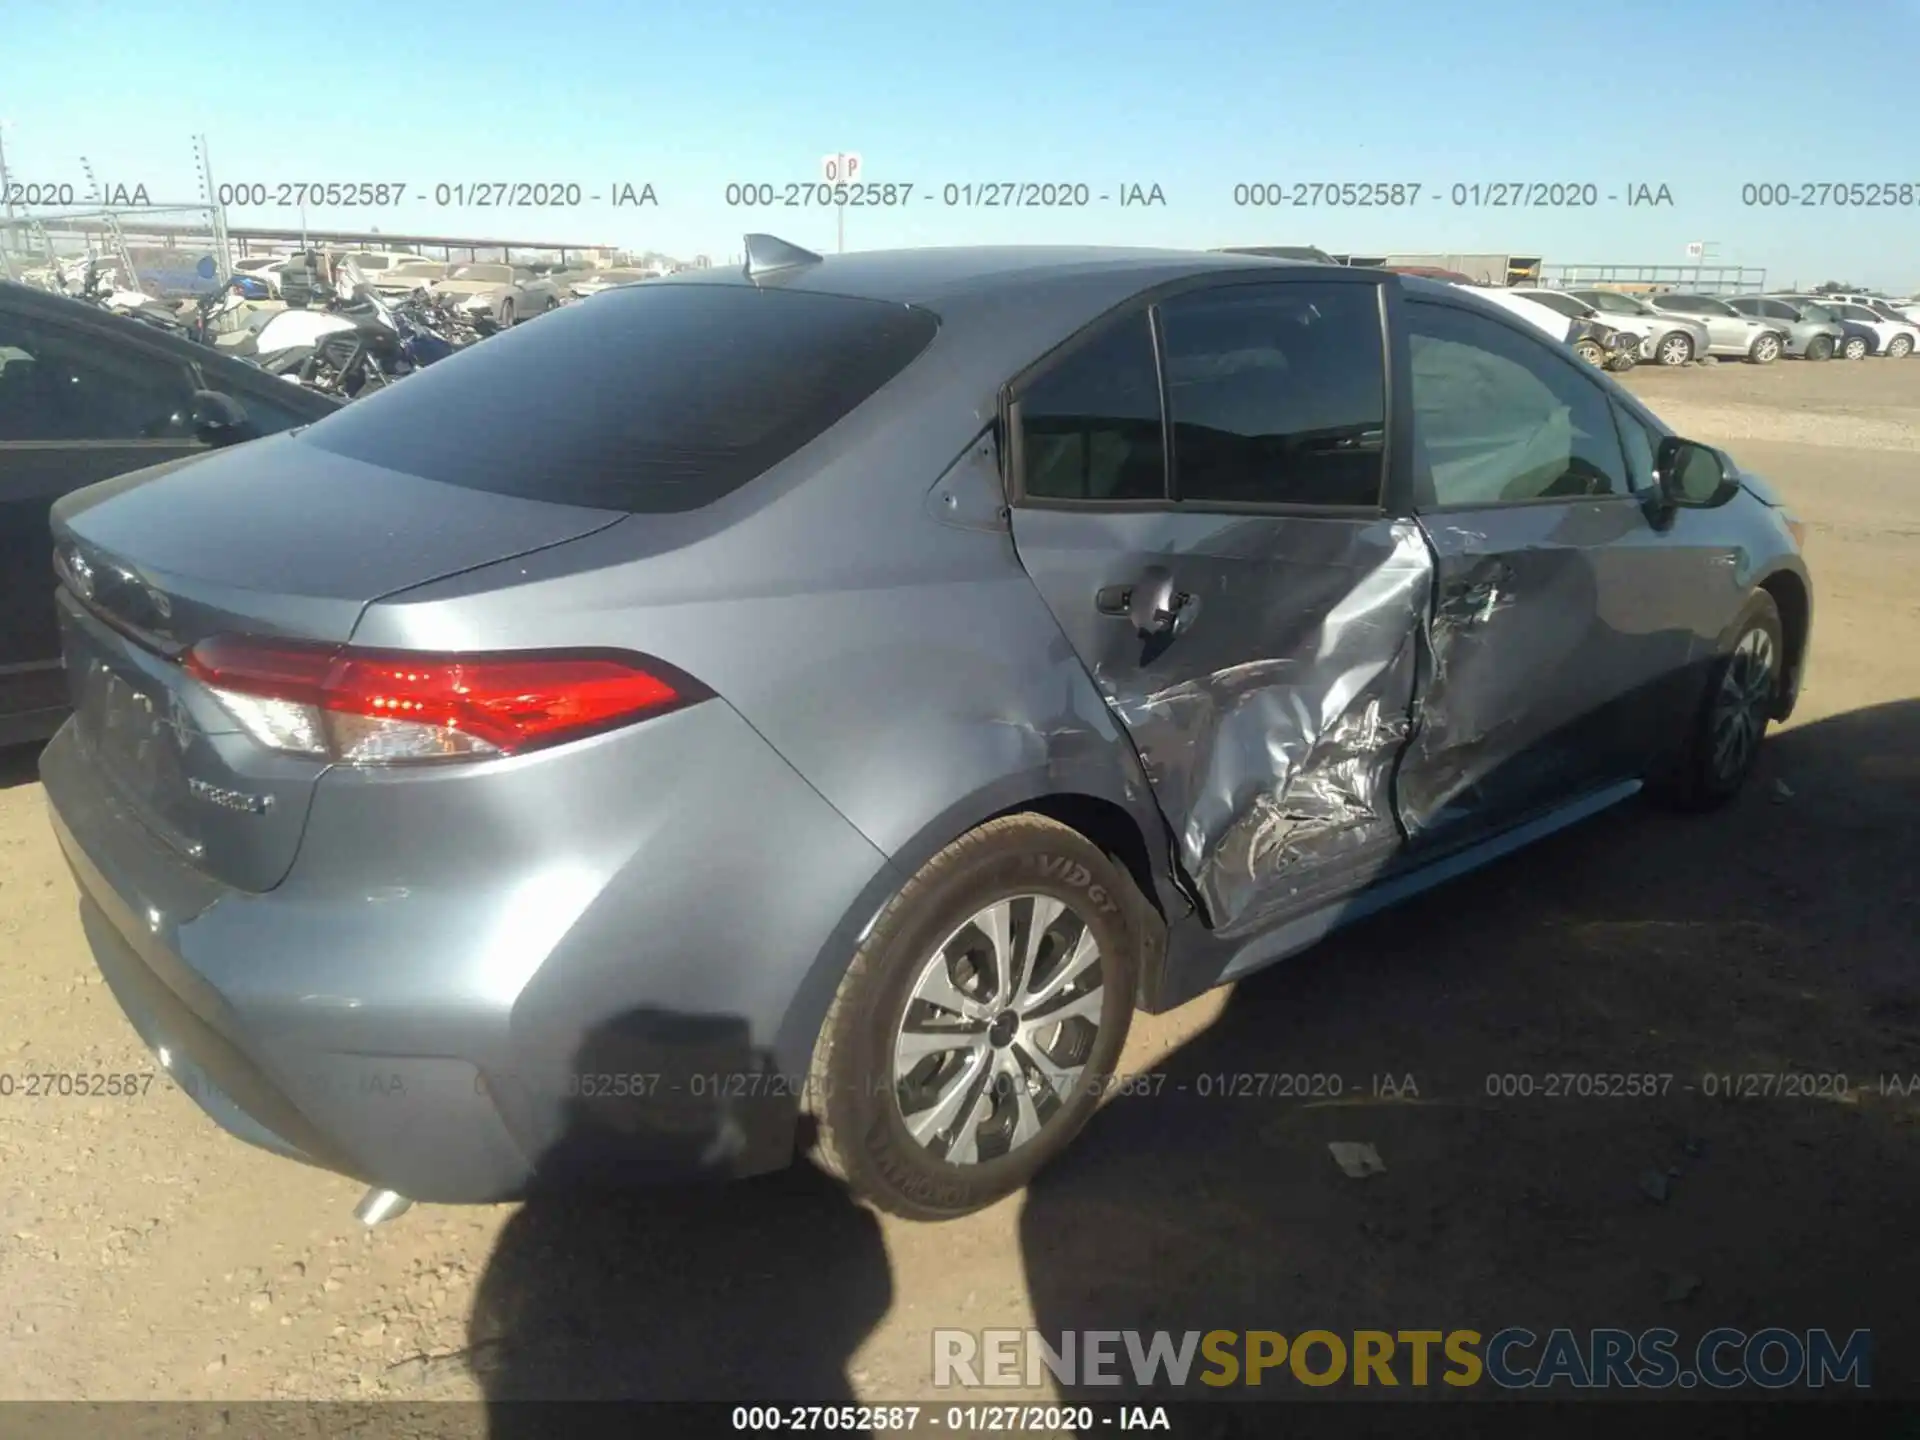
point(1151, 603)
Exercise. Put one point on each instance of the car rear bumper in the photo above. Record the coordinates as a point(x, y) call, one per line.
point(649, 1019)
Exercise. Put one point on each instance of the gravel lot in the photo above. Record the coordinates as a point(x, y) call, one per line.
point(144, 1255)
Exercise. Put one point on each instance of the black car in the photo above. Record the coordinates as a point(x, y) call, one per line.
point(85, 395)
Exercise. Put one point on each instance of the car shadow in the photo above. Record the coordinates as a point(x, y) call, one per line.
point(1770, 939)
point(752, 1290)
point(20, 764)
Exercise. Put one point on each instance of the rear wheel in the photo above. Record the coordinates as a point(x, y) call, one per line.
point(1899, 347)
point(975, 1030)
point(1741, 692)
point(1590, 351)
point(1765, 350)
point(1855, 348)
point(1675, 349)
point(1820, 348)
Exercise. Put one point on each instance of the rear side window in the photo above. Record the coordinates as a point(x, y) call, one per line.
point(1565, 304)
point(1090, 425)
point(655, 399)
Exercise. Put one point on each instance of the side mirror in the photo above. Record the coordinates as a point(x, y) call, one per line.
point(218, 418)
point(1692, 475)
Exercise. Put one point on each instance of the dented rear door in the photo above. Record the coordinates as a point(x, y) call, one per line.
point(1198, 495)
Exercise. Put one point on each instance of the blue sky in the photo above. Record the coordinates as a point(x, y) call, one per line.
point(1192, 95)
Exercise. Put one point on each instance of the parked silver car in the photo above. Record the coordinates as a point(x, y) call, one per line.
point(1664, 339)
point(1812, 333)
point(1679, 338)
point(510, 293)
point(870, 681)
point(1885, 331)
point(1729, 332)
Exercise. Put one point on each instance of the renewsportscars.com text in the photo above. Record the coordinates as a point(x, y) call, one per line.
point(1514, 1358)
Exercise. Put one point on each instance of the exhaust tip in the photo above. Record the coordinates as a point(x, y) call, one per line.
point(378, 1206)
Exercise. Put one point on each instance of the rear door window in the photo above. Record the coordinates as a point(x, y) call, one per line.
point(60, 384)
point(654, 399)
point(1277, 394)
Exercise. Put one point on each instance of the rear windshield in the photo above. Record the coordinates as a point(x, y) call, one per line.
point(652, 399)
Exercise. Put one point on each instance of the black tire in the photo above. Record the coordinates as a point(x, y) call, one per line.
point(1899, 347)
point(1675, 348)
point(1704, 776)
point(1765, 349)
point(1820, 348)
point(854, 1092)
point(506, 314)
point(1855, 348)
point(1590, 352)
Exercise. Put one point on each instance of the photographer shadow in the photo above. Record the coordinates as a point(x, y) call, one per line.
point(751, 1291)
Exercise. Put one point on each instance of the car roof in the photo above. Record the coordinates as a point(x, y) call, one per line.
point(941, 275)
point(65, 310)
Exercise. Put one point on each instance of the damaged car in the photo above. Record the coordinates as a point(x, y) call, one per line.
point(932, 659)
point(504, 294)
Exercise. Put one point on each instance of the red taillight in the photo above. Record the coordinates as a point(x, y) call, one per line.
point(387, 706)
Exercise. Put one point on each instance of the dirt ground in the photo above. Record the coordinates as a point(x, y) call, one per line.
point(143, 1255)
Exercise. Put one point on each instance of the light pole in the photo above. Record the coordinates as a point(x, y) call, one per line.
point(6, 190)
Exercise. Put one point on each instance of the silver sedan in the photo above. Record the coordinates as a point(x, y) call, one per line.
point(1666, 339)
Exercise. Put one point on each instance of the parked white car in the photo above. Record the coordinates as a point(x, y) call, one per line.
point(1548, 321)
point(264, 268)
point(598, 280)
point(407, 276)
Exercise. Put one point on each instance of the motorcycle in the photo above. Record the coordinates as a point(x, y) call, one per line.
point(104, 286)
point(363, 342)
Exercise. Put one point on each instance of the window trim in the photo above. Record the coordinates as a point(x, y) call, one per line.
point(1150, 300)
point(1588, 376)
point(1623, 416)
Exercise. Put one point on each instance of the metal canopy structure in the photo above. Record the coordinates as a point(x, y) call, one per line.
point(1655, 279)
point(250, 239)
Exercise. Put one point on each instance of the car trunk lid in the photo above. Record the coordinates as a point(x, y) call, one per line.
point(275, 538)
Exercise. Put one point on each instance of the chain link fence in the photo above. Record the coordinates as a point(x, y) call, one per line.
point(166, 251)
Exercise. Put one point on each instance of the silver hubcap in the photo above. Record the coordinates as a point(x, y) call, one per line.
point(1900, 346)
point(1741, 703)
point(998, 1029)
point(1856, 348)
point(1767, 349)
point(1674, 352)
